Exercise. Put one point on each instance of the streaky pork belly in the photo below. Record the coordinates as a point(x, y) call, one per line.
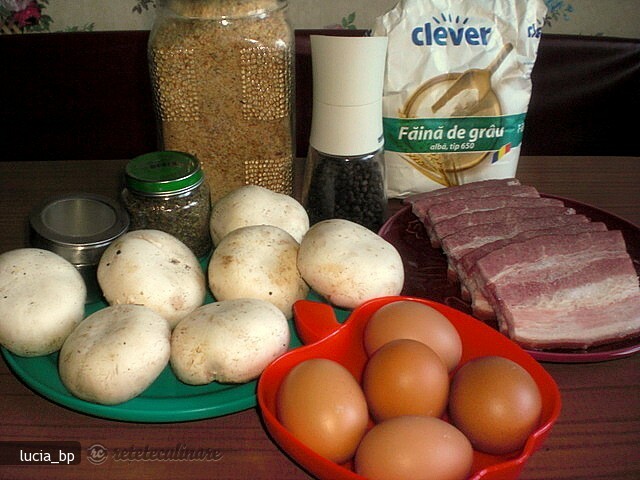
point(420, 208)
point(465, 187)
point(538, 207)
point(467, 266)
point(471, 239)
point(563, 290)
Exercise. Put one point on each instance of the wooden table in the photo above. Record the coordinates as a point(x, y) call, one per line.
point(596, 437)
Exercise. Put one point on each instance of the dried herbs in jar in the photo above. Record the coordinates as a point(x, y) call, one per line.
point(167, 191)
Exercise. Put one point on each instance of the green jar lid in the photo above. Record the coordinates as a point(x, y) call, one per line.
point(163, 172)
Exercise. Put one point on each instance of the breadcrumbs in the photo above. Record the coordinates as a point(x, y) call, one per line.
point(222, 74)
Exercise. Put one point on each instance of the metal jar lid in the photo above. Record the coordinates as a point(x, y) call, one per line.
point(164, 172)
point(78, 227)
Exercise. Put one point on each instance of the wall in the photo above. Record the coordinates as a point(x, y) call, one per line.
point(617, 18)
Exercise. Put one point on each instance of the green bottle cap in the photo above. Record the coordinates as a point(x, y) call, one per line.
point(163, 172)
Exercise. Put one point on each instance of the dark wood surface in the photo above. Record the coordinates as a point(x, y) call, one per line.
point(596, 437)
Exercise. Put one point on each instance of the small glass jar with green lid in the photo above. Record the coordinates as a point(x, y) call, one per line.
point(167, 191)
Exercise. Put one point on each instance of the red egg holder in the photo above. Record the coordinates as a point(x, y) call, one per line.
point(324, 337)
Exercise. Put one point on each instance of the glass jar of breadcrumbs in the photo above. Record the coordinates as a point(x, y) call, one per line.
point(222, 77)
point(167, 191)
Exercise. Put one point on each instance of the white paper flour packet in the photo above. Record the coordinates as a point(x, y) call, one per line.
point(474, 132)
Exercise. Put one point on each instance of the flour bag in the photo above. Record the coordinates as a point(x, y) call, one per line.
point(457, 88)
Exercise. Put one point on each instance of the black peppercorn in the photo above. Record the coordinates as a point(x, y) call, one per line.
point(349, 187)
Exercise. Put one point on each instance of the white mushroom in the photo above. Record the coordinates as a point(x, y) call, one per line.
point(115, 354)
point(258, 261)
point(255, 205)
point(154, 269)
point(230, 341)
point(42, 299)
point(348, 264)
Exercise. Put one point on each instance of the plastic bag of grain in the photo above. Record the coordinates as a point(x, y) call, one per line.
point(457, 88)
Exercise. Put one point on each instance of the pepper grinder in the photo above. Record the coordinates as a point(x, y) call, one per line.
point(344, 174)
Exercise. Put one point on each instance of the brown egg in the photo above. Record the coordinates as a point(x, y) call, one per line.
point(496, 403)
point(414, 448)
point(323, 406)
point(415, 320)
point(405, 377)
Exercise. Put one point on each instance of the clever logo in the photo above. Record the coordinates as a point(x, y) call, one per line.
point(534, 31)
point(447, 30)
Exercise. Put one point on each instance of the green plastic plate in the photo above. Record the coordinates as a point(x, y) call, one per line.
point(166, 400)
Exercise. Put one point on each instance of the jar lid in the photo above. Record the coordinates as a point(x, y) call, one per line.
point(78, 227)
point(226, 9)
point(163, 172)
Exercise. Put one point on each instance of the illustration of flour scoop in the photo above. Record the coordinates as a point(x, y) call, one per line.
point(474, 80)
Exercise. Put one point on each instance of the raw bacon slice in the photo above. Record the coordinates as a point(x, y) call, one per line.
point(470, 239)
point(564, 291)
point(466, 267)
point(421, 207)
point(495, 182)
point(446, 211)
point(506, 214)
